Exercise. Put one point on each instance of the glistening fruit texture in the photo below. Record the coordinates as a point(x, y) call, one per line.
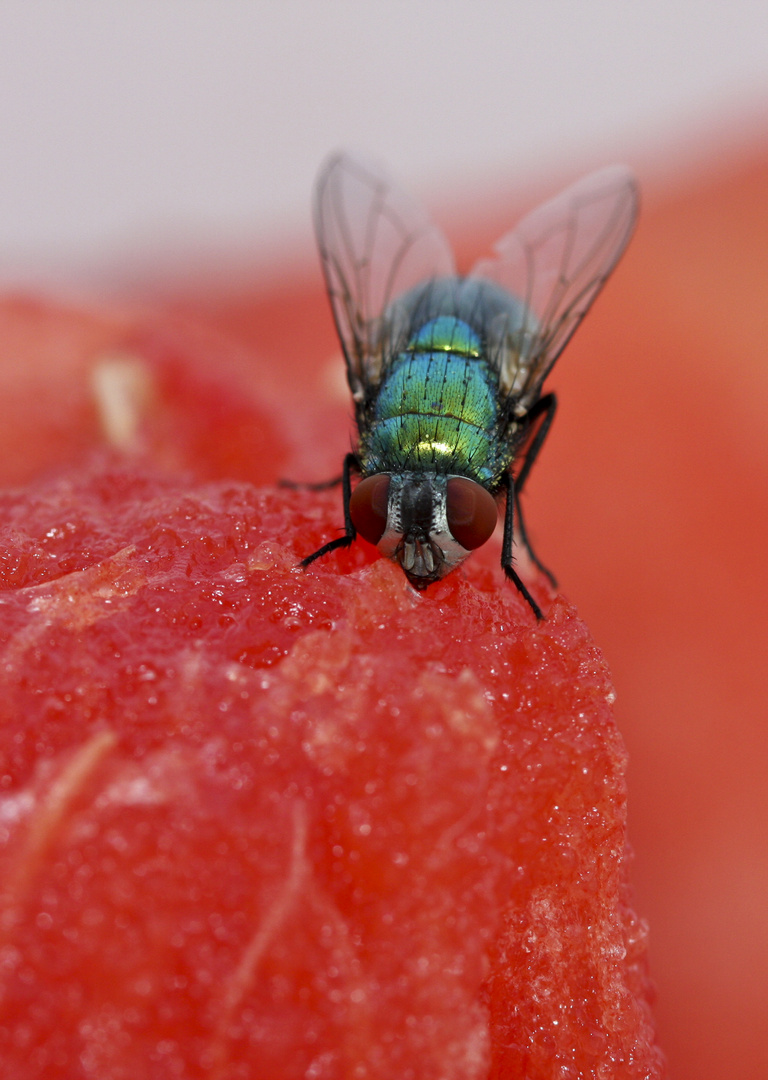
point(262, 822)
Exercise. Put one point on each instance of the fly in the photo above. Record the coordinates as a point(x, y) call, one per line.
point(446, 371)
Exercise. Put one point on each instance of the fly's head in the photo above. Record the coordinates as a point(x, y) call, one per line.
point(427, 522)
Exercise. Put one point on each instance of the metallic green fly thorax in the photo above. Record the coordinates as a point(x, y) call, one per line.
point(446, 333)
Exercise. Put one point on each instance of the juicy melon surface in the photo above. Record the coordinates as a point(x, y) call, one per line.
point(260, 821)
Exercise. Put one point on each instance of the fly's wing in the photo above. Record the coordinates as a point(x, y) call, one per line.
point(375, 243)
point(556, 261)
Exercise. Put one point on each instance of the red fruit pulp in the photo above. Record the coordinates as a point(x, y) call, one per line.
point(298, 823)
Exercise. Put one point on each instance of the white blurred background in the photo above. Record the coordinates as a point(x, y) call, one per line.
point(135, 129)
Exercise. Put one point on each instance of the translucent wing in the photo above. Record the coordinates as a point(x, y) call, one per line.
point(556, 261)
point(375, 243)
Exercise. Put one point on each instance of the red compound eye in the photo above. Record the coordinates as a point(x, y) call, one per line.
point(471, 512)
point(368, 507)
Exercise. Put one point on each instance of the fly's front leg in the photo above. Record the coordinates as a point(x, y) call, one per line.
point(350, 463)
point(506, 546)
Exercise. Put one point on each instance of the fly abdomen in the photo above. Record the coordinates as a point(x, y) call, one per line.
point(436, 411)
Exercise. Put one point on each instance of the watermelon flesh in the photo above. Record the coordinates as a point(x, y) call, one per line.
point(259, 821)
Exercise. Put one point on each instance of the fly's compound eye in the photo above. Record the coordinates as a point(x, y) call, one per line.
point(471, 512)
point(368, 507)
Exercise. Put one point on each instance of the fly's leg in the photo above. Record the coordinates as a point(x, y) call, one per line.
point(524, 537)
point(506, 546)
point(545, 407)
point(350, 463)
point(320, 485)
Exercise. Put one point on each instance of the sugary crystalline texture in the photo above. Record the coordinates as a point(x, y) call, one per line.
point(263, 822)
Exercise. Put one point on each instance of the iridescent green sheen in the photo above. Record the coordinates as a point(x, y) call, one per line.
point(437, 410)
point(446, 333)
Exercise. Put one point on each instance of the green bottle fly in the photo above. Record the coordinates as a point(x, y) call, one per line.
point(446, 372)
